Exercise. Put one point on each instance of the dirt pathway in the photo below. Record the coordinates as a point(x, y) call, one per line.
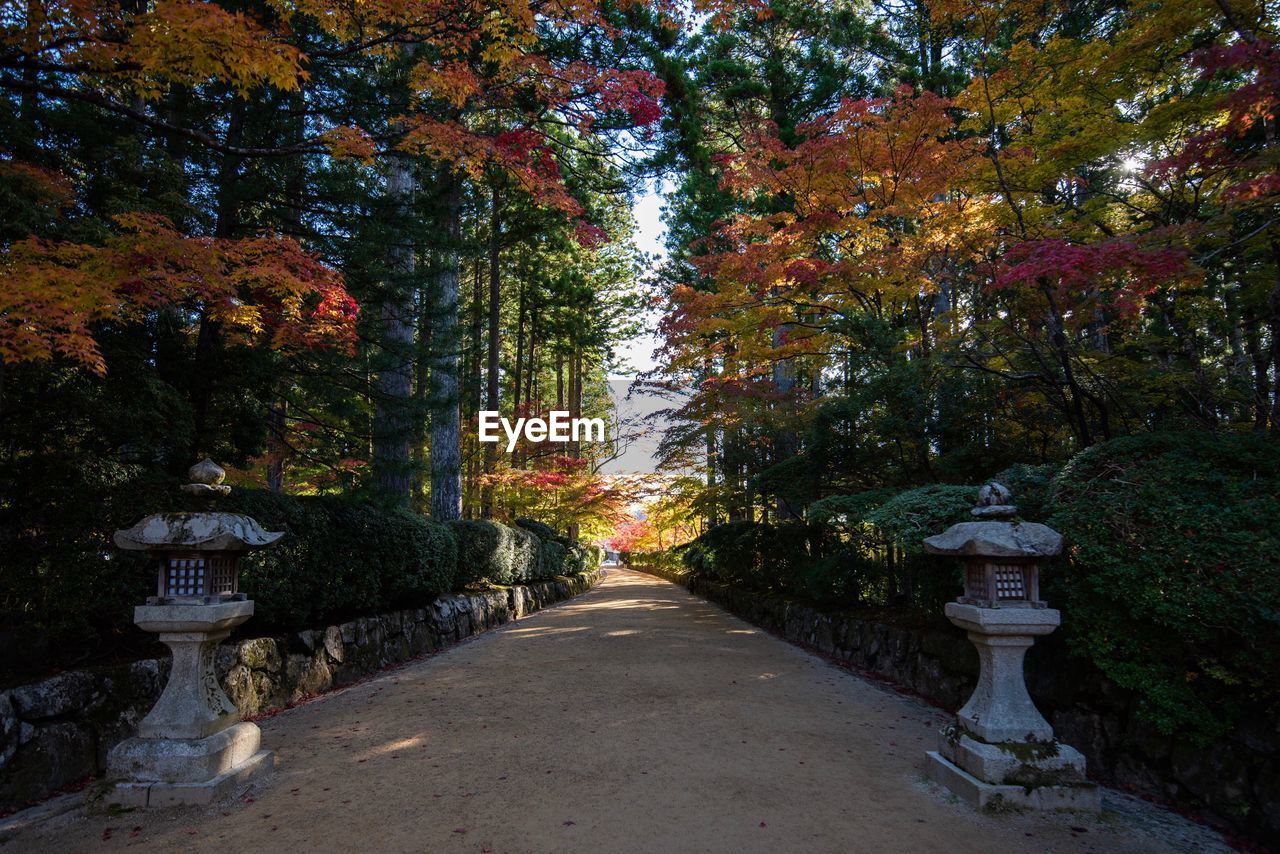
point(634, 718)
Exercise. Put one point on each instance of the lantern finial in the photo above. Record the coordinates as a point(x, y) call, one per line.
point(206, 480)
point(995, 502)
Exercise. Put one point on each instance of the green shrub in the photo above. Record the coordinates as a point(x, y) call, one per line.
point(67, 593)
point(542, 531)
point(577, 559)
point(339, 559)
point(526, 556)
point(757, 555)
point(664, 560)
point(847, 512)
point(1032, 488)
point(1172, 586)
point(486, 552)
point(554, 557)
point(68, 590)
point(723, 553)
point(908, 517)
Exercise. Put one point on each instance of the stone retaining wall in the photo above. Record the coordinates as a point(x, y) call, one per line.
point(57, 732)
point(1234, 782)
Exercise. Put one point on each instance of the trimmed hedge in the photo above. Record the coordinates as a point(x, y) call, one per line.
point(340, 559)
point(67, 593)
point(541, 530)
point(758, 556)
point(554, 558)
point(490, 551)
point(485, 552)
point(1172, 586)
point(526, 556)
point(908, 517)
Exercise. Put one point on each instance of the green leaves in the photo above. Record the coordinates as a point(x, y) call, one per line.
point(1172, 582)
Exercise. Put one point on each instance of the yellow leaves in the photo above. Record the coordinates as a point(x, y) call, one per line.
point(192, 41)
point(185, 41)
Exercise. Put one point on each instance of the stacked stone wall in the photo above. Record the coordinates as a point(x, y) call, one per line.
point(56, 732)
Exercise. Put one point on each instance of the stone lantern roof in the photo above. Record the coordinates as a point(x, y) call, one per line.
point(200, 531)
point(998, 533)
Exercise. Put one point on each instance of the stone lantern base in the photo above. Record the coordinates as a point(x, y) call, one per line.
point(1001, 753)
point(188, 771)
point(192, 748)
point(996, 797)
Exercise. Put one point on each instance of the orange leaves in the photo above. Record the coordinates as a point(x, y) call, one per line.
point(262, 288)
point(889, 155)
point(849, 220)
point(451, 82)
point(50, 297)
point(47, 188)
point(563, 491)
point(349, 142)
point(523, 153)
point(870, 191)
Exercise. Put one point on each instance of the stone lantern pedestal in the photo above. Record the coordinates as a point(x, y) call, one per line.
point(192, 748)
point(1001, 753)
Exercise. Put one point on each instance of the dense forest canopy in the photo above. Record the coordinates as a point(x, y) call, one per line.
point(313, 241)
point(920, 242)
point(908, 242)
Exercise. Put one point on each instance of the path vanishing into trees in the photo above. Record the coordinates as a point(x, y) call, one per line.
point(634, 718)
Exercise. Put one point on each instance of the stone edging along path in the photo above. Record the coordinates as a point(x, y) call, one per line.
point(56, 733)
point(1233, 782)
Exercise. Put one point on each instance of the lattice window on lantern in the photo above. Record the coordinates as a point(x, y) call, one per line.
point(1009, 582)
point(222, 575)
point(185, 576)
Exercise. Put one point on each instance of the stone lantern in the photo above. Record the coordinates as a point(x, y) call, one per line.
point(192, 747)
point(1001, 752)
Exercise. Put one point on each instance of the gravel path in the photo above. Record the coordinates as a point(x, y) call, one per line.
point(634, 718)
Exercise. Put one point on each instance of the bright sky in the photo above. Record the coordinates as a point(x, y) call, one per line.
point(650, 233)
point(638, 353)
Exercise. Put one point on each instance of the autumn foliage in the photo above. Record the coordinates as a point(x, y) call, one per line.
point(258, 289)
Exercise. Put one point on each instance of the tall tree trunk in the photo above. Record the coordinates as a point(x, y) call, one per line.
point(713, 519)
point(519, 371)
point(209, 338)
point(495, 312)
point(474, 399)
point(446, 450)
point(277, 419)
point(1061, 347)
point(1274, 324)
point(421, 393)
point(295, 194)
point(575, 395)
point(392, 421)
point(785, 443)
point(531, 387)
point(1261, 384)
point(559, 380)
point(495, 295)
